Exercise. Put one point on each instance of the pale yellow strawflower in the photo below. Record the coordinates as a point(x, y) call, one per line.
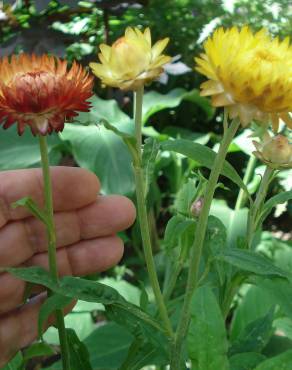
point(131, 61)
point(249, 74)
point(275, 152)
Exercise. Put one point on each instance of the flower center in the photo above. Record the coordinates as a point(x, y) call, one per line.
point(263, 55)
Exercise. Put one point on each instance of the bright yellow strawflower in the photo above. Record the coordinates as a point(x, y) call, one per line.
point(131, 61)
point(249, 74)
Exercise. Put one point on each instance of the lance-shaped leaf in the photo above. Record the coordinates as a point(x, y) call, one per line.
point(31, 205)
point(252, 262)
point(205, 157)
point(150, 152)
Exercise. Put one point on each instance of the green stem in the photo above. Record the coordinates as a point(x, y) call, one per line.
point(241, 199)
point(251, 229)
point(257, 206)
point(197, 247)
point(142, 212)
point(51, 234)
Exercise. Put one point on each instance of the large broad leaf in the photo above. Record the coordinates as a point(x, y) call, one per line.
point(207, 342)
point(234, 221)
point(23, 151)
point(252, 262)
point(99, 149)
point(245, 361)
point(204, 156)
point(106, 110)
point(104, 153)
point(281, 362)
point(255, 336)
point(155, 102)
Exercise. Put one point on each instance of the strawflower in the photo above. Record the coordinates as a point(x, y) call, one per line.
point(249, 74)
point(40, 92)
point(275, 152)
point(131, 61)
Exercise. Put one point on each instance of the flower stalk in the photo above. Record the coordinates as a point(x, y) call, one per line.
point(51, 235)
point(142, 212)
point(196, 250)
point(258, 204)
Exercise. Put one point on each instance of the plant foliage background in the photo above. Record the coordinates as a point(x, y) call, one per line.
point(172, 109)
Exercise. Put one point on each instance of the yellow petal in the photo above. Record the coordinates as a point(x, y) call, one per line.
point(106, 51)
point(158, 48)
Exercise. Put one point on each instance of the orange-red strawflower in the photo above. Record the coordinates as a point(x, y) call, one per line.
point(39, 91)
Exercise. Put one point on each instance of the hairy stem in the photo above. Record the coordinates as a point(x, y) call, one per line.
point(257, 206)
point(142, 213)
point(197, 247)
point(241, 199)
point(51, 234)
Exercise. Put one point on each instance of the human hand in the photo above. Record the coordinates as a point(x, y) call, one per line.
point(86, 225)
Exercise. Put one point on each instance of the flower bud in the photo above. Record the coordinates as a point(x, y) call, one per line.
point(275, 152)
point(197, 206)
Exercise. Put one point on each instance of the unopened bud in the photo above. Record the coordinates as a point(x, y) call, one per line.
point(197, 206)
point(275, 152)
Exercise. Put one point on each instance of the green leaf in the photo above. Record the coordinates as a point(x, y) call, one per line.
point(281, 362)
point(255, 336)
point(139, 324)
point(15, 363)
point(246, 361)
point(112, 342)
point(204, 156)
point(150, 152)
point(272, 202)
point(103, 152)
point(23, 151)
point(234, 221)
point(207, 342)
point(106, 110)
point(53, 303)
point(252, 262)
point(186, 196)
point(214, 244)
point(142, 354)
point(176, 227)
point(154, 102)
point(255, 303)
point(36, 350)
point(136, 320)
point(79, 356)
point(128, 139)
point(31, 205)
point(280, 291)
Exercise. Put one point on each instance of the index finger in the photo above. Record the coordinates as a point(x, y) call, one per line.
point(73, 188)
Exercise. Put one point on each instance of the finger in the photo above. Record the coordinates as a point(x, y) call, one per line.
point(19, 328)
point(20, 240)
point(73, 188)
point(83, 258)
